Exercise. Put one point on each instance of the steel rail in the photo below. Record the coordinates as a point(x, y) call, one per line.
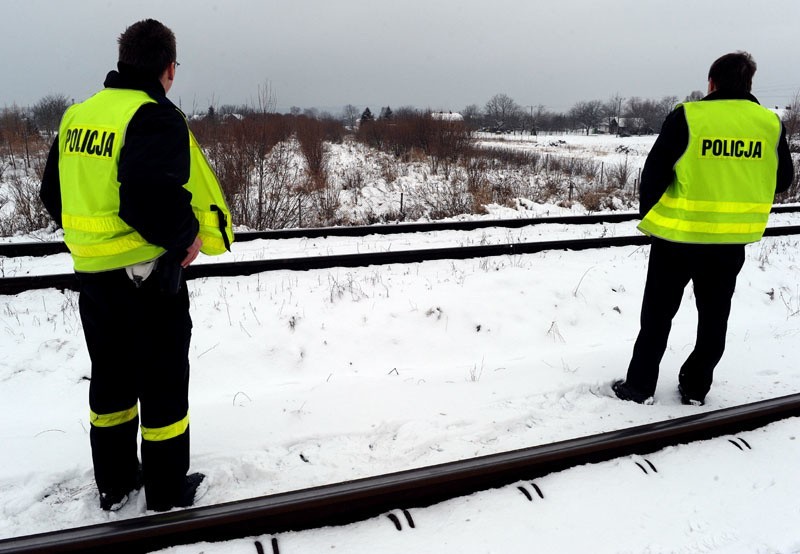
point(46, 248)
point(63, 281)
point(58, 247)
point(356, 500)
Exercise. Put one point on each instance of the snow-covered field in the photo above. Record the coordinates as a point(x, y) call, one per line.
point(307, 378)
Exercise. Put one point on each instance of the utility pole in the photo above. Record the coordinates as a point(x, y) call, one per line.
point(539, 108)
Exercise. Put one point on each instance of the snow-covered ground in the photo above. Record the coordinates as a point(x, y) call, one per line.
point(306, 378)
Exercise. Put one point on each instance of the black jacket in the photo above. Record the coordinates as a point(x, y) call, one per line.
point(153, 167)
point(659, 168)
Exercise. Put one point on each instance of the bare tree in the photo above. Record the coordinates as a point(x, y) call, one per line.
point(267, 100)
point(406, 112)
point(47, 112)
point(231, 109)
point(502, 111)
point(791, 119)
point(472, 116)
point(446, 144)
point(587, 114)
point(791, 122)
point(349, 115)
point(612, 109)
point(644, 115)
point(310, 134)
point(534, 117)
point(694, 96)
point(636, 111)
point(662, 109)
point(17, 131)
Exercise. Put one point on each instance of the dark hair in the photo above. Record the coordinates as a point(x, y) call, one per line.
point(733, 72)
point(147, 47)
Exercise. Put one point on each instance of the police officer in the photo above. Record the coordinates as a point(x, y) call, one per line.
point(137, 201)
point(706, 190)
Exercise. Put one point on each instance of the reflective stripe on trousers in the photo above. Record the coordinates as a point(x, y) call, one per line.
point(154, 434)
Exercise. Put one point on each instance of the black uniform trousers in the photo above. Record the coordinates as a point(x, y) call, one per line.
point(712, 268)
point(138, 342)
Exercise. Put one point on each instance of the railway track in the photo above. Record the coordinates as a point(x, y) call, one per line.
point(68, 281)
point(350, 501)
point(34, 249)
point(47, 248)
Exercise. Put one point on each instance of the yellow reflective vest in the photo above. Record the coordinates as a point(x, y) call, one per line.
point(724, 182)
point(91, 136)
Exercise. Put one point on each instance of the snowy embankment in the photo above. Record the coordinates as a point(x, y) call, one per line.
point(307, 378)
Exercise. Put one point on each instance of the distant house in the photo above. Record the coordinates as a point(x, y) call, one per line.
point(781, 112)
point(624, 125)
point(447, 116)
point(225, 116)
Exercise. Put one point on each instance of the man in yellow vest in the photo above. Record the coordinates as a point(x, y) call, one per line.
point(706, 190)
point(137, 201)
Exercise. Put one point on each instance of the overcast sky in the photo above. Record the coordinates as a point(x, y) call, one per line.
point(438, 54)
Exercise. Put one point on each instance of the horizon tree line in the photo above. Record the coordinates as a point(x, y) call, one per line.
point(501, 113)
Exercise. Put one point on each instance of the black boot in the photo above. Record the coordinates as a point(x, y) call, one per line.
point(625, 392)
point(687, 400)
point(114, 499)
point(183, 499)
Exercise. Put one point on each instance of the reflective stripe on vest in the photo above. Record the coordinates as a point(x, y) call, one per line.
point(114, 419)
point(724, 183)
point(157, 434)
point(91, 136)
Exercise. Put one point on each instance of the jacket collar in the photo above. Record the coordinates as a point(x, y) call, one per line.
point(725, 95)
point(128, 78)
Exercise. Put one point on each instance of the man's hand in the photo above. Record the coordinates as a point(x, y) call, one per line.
point(191, 252)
